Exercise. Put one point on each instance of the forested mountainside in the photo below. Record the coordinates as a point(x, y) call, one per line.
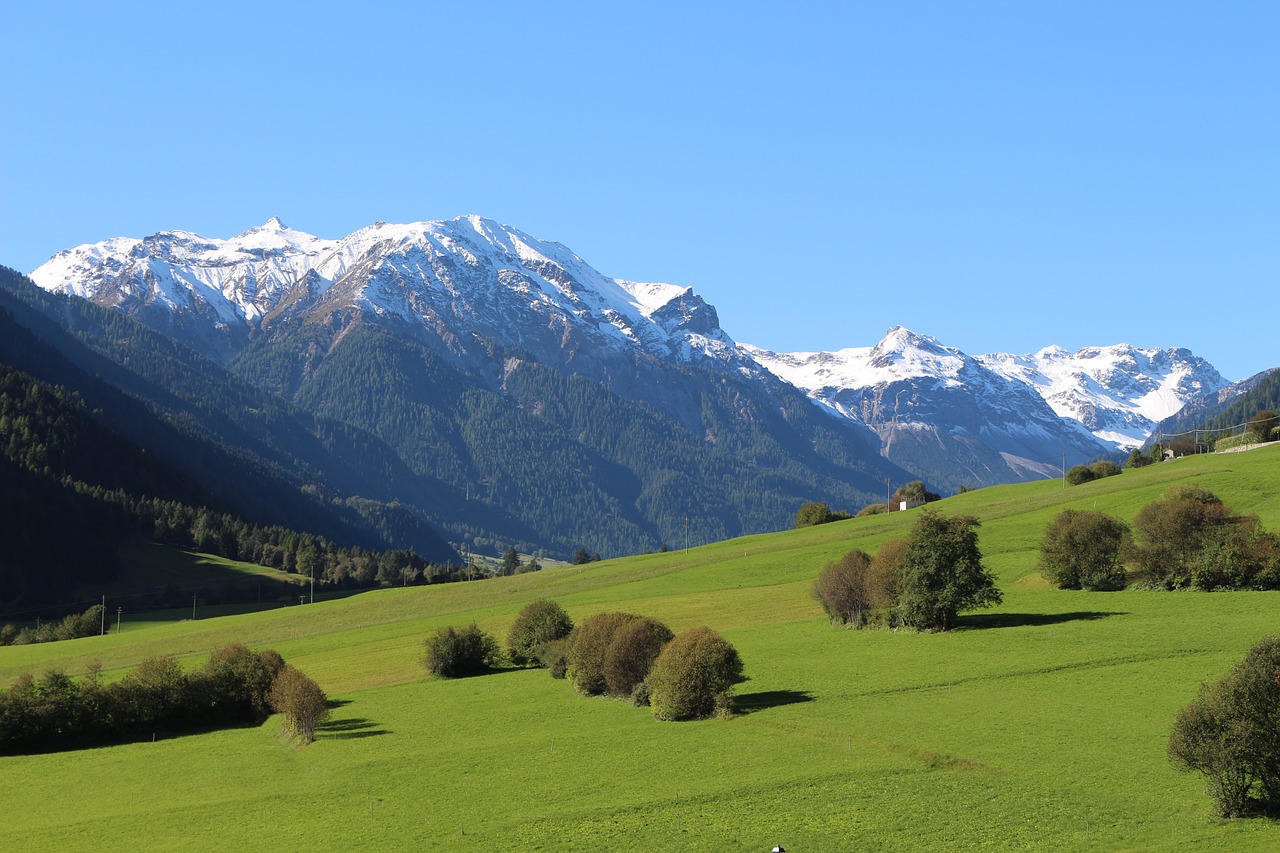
point(249, 452)
point(452, 343)
point(1227, 407)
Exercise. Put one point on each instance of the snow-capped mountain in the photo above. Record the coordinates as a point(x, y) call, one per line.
point(563, 407)
point(938, 411)
point(465, 279)
point(274, 303)
point(1118, 392)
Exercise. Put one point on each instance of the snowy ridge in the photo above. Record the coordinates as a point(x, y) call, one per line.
point(1118, 392)
point(468, 272)
point(936, 409)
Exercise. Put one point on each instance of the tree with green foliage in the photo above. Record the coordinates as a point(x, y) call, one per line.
point(1083, 549)
point(301, 701)
point(455, 653)
point(1190, 538)
point(635, 646)
point(510, 563)
point(942, 572)
point(912, 493)
point(588, 649)
point(581, 557)
point(1262, 424)
point(540, 622)
point(1137, 459)
point(1231, 734)
point(693, 678)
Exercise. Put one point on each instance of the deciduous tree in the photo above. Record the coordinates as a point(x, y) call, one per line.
point(1083, 549)
point(942, 572)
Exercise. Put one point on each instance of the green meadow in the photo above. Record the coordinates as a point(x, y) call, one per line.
point(1040, 723)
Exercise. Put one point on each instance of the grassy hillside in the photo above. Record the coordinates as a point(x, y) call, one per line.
point(1041, 723)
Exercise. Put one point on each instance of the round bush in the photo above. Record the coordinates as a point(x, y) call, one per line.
point(588, 649)
point(636, 645)
point(539, 623)
point(842, 588)
point(1080, 474)
point(1105, 468)
point(453, 653)
point(694, 676)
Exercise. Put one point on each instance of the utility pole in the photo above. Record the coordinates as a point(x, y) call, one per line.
point(103, 628)
point(313, 585)
point(119, 612)
point(686, 534)
point(193, 607)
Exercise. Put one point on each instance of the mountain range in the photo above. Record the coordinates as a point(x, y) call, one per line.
point(535, 401)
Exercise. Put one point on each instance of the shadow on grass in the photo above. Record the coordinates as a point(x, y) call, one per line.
point(1022, 620)
point(749, 703)
point(349, 728)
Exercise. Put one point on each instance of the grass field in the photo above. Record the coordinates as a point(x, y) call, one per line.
point(1038, 724)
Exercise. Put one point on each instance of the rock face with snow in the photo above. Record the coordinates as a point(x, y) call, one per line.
point(467, 281)
point(938, 411)
point(1119, 393)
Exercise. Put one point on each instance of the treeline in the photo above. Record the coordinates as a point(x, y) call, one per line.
point(60, 470)
point(235, 687)
point(70, 627)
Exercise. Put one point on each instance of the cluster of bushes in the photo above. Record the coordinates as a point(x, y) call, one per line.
point(922, 582)
point(1187, 538)
point(70, 627)
point(817, 512)
point(234, 687)
point(1080, 474)
point(1231, 734)
point(622, 655)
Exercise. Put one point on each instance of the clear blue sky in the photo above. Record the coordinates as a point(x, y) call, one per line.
point(1002, 176)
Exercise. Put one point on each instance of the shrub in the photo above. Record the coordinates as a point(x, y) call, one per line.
point(586, 655)
point(1188, 537)
point(301, 701)
point(872, 509)
point(1231, 734)
point(554, 656)
point(1079, 475)
point(842, 589)
point(1105, 468)
point(539, 623)
point(817, 513)
point(1084, 550)
point(694, 676)
point(235, 683)
point(1262, 424)
point(885, 576)
point(636, 645)
point(942, 572)
point(453, 653)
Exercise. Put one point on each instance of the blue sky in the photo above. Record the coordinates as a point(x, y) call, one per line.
point(1002, 176)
